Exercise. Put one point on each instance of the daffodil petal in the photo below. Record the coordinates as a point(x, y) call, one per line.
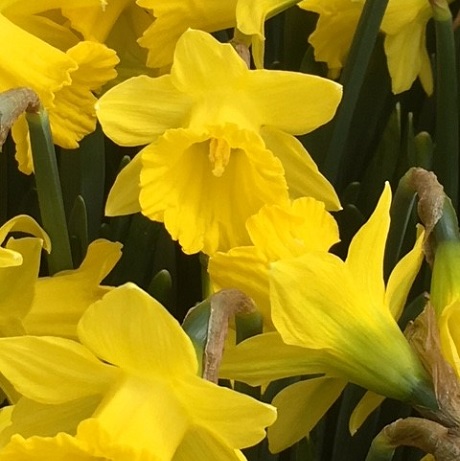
point(81, 287)
point(333, 313)
point(30, 364)
point(264, 358)
point(245, 268)
point(95, 22)
point(449, 330)
point(300, 407)
point(151, 342)
point(40, 6)
point(123, 197)
point(367, 266)
point(302, 174)
point(404, 51)
point(63, 447)
point(130, 118)
point(138, 416)
point(30, 418)
point(293, 102)
point(26, 224)
point(73, 116)
point(369, 403)
point(335, 29)
point(175, 17)
point(402, 277)
point(203, 210)
point(199, 444)
point(17, 283)
point(236, 418)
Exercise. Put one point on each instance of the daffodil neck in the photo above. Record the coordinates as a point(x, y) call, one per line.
point(219, 155)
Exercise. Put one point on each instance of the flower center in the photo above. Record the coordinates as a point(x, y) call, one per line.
point(219, 155)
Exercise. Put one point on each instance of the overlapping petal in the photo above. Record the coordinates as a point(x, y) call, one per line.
point(49, 314)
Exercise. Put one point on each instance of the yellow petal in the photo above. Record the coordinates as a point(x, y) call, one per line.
point(73, 116)
point(281, 232)
point(60, 300)
point(140, 419)
point(300, 407)
point(402, 277)
point(151, 343)
point(137, 111)
point(40, 6)
point(203, 193)
point(123, 197)
point(198, 444)
point(17, 283)
point(52, 370)
point(367, 266)
point(302, 175)
point(63, 447)
point(334, 30)
point(237, 419)
point(365, 407)
point(449, 329)
point(20, 223)
point(293, 102)
point(246, 269)
point(264, 358)
point(175, 17)
point(29, 418)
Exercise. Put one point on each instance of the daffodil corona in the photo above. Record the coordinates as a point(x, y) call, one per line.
point(220, 142)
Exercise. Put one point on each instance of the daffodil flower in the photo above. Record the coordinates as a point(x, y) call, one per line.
point(118, 25)
point(404, 25)
point(277, 232)
point(128, 391)
point(175, 17)
point(30, 304)
point(64, 78)
point(335, 317)
point(220, 142)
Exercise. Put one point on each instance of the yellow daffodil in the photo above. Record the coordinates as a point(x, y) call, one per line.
point(64, 79)
point(404, 25)
point(118, 25)
point(336, 318)
point(220, 142)
point(172, 19)
point(334, 31)
point(129, 391)
point(277, 232)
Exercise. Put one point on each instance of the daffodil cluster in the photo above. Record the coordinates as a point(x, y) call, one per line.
point(92, 365)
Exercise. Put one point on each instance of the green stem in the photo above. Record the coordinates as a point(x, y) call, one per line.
point(446, 158)
point(49, 191)
point(352, 80)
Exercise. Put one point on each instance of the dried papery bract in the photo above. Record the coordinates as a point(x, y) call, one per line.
point(12, 104)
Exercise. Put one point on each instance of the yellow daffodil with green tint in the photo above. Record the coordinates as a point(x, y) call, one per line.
point(131, 387)
point(404, 25)
point(64, 79)
point(60, 300)
point(221, 142)
point(336, 318)
point(277, 232)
